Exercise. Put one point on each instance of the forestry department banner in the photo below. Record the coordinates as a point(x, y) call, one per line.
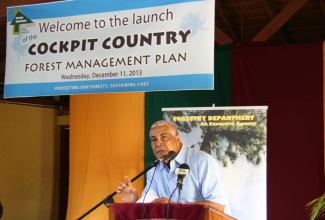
point(236, 138)
point(82, 46)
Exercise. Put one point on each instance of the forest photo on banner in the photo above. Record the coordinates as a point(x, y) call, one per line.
point(236, 138)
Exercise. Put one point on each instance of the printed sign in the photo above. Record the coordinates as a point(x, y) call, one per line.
point(76, 47)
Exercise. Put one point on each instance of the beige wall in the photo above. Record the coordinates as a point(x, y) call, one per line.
point(29, 168)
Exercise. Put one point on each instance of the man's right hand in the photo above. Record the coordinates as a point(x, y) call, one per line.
point(126, 191)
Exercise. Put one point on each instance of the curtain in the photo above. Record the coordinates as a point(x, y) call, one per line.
point(289, 80)
point(106, 143)
point(324, 100)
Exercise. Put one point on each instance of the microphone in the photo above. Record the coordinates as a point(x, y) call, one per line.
point(181, 173)
point(109, 199)
point(171, 155)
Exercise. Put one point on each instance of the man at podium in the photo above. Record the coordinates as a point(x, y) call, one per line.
point(203, 184)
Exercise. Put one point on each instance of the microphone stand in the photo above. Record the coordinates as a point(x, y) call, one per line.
point(109, 198)
point(180, 189)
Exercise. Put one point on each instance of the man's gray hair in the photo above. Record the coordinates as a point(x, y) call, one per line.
point(170, 124)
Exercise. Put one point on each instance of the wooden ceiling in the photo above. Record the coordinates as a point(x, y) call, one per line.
point(277, 21)
point(274, 21)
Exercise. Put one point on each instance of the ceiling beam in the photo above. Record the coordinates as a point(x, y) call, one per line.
point(222, 12)
point(269, 5)
point(37, 102)
point(322, 6)
point(220, 37)
point(275, 24)
point(8, 3)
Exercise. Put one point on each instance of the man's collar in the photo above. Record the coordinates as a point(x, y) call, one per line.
point(179, 159)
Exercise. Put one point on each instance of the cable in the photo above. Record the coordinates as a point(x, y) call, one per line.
point(169, 202)
point(144, 209)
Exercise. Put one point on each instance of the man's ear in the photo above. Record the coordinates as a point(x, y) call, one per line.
point(178, 138)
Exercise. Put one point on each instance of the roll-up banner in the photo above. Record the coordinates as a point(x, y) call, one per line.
point(236, 138)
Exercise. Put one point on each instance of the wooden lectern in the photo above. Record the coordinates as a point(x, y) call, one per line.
point(209, 213)
point(213, 214)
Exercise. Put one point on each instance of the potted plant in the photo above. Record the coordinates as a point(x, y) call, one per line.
point(317, 207)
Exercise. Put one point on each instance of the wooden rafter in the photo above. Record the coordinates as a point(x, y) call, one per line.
point(279, 20)
point(222, 12)
point(322, 6)
point(39, 102)
point(269, 6)
point(220, 37)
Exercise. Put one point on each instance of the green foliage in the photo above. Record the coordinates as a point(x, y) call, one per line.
point(317, 207)
point(227, 141)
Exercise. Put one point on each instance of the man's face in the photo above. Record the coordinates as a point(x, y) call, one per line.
point(163, 141)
